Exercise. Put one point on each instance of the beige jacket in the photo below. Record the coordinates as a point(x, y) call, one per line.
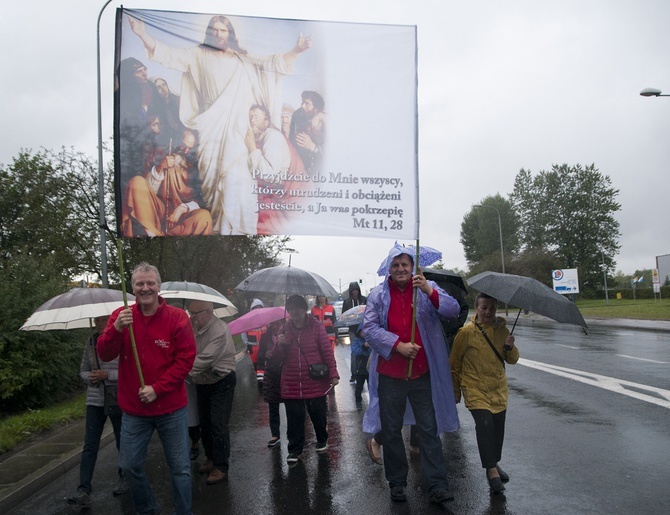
point(215, 357)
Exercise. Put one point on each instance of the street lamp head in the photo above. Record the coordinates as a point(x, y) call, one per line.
point(651, 92)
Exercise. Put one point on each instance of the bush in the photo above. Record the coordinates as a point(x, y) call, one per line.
point(37, 368)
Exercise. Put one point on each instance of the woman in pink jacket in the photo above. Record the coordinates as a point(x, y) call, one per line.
point(304, 343)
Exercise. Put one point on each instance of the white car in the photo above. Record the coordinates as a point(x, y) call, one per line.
point(342, 332)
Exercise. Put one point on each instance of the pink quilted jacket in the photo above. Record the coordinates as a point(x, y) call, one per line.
point(316, 348)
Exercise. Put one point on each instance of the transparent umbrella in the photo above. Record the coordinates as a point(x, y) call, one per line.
point(177, 293)
point(287, 280)
point(75, 309)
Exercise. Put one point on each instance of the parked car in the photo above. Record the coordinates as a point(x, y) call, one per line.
point(343, 336)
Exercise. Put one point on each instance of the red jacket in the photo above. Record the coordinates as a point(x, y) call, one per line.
point(316, 348)
point(166, 348)
point(400, 323)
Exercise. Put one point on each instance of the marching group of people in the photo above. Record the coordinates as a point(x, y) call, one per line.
point(414, 378)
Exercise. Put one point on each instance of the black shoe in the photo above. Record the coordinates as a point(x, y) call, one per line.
point(274, 441)
point(321, 446)
point(121, 488)
point(195, 452)
point(496, 485)
point(441, 495)
point(398, 493)
point(293, 458)
point(504, 476)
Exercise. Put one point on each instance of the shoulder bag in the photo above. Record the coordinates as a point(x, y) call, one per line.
point(481, 329)
point(316, 370)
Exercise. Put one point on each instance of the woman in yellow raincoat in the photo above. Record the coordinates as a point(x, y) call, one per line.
point(481, 348)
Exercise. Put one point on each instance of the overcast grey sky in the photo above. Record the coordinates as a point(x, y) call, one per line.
point(502, 86)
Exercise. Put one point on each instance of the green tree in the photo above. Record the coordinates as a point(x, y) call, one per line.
point(42, 213)
point(49, 235)
point(535, 263)
point(480, 232)
point(569, 212)
point(221, 262)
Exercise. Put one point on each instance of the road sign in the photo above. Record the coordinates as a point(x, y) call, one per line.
point(566, 281)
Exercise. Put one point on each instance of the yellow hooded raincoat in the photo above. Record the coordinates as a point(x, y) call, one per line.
point(476, 370)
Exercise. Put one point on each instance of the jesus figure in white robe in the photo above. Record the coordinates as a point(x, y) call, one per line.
point(220, 82)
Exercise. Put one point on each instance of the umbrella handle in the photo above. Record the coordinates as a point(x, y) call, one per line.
point(125, 304)
point(515, 320)
point(416, 295)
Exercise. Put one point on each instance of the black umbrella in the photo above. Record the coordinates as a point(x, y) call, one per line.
point(287, 280)
point(446, 279)
point(528, 293)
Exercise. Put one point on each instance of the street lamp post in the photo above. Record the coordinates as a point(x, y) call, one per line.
point(502, 252)
point(101, 176)
point(607, 299)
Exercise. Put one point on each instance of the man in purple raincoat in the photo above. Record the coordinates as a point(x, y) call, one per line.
point(387, 326)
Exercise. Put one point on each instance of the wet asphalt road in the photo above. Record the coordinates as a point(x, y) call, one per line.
point(588, 431)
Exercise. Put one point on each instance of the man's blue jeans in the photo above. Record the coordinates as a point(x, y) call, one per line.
point(215, 404)
point(95, 423)
point(393, 395)
point(136, 433)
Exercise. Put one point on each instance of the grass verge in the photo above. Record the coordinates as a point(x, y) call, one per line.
point(641, 309)
point(20, 428)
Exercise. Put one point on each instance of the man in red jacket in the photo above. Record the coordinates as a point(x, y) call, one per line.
point(166, 347)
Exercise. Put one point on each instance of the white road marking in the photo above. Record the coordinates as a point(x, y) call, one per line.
point(607, 383)
point(641, 359)
point(567, 346)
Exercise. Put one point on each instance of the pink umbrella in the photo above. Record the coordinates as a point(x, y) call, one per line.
point(256, 318)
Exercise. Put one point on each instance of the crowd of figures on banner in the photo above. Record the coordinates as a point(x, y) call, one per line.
point(224, 156)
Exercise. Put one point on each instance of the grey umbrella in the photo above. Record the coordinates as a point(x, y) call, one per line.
point(287, 280)
point(75, 309)
point(528, 293)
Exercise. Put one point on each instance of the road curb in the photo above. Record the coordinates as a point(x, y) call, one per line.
point(21, 490)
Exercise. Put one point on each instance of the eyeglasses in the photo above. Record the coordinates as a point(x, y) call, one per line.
point(196, 313)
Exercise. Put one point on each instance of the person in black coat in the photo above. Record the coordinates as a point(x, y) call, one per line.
point(355, 299)
point(271, 378)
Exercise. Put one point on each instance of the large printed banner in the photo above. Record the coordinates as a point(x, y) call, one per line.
point(242, 125)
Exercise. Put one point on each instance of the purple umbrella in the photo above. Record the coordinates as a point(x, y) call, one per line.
point(427, 256)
